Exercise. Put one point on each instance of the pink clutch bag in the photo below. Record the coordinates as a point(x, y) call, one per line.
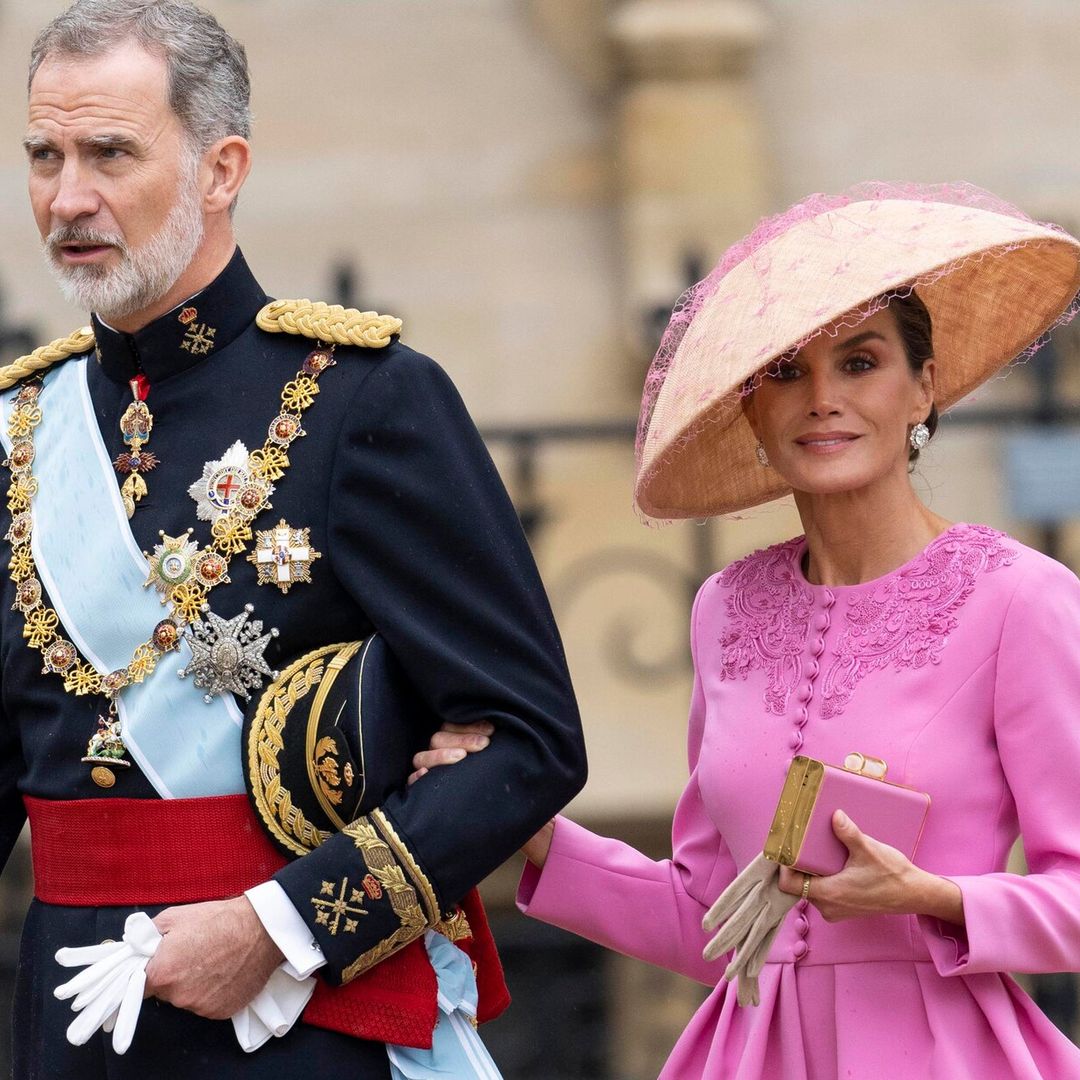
point(801, 835)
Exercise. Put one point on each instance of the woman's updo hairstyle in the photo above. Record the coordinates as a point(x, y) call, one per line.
point(916, 332)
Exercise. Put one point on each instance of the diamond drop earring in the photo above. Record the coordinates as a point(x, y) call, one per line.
point(762, 457)
point(919, 437)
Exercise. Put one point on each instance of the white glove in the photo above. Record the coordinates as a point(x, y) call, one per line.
point(109, 992)
point(749, 913)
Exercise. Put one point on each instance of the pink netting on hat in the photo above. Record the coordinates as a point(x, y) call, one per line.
point(753, 250)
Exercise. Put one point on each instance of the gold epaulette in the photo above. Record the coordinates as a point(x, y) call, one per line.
point(331, 323)
point(47, 355)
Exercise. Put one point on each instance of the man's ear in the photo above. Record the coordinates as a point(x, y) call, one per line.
point(225, 166)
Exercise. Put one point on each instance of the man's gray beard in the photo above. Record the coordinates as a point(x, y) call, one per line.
point(144, 274)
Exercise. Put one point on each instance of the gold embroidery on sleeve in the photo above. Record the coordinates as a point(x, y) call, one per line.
point(383, 867)
point(330, 913)
point(405, 857)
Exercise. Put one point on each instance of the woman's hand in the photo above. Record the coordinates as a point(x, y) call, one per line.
point(876, 880)
point(450, 744)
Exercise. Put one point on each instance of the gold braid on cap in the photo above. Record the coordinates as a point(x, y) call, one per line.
point(332, 323)
point(47, 355)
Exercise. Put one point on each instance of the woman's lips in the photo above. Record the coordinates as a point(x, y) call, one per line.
point(831, 443)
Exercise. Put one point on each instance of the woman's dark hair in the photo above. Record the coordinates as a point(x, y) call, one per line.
point(916, 332)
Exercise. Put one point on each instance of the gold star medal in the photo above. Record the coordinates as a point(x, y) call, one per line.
point(172, 563)
point(283, 556)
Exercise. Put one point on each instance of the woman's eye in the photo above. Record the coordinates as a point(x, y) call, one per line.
point(860, 362)
point(784, 372)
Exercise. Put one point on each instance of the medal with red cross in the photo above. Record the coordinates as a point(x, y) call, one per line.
point(283, 556)
point(218, 490)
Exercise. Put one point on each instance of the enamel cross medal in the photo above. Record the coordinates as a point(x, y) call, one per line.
point(283, 556)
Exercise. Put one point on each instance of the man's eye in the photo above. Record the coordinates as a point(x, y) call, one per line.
point(111, 153)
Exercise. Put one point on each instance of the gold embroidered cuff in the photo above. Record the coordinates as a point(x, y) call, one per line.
point(386, 861)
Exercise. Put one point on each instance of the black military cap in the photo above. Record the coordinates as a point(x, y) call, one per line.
point(329, 739)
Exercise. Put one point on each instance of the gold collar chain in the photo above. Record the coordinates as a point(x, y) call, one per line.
point(230, 533)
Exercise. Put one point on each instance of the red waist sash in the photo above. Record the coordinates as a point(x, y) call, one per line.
point(135, 852)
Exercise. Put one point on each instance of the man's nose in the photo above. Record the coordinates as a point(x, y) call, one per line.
point(75, 196)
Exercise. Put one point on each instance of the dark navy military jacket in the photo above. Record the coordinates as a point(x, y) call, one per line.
point(419, 541)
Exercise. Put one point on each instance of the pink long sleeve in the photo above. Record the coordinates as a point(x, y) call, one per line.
point(1030, 923)
point(609, 892)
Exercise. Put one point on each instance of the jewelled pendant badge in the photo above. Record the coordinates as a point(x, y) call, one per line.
point(135, 426)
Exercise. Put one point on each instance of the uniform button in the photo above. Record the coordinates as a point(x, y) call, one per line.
point(802, 924)
point(821, 623)
point(795, 741)
point(801, 949)
point(814, 667)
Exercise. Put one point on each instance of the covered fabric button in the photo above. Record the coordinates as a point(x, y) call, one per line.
point(800, 950)
point(795, 741)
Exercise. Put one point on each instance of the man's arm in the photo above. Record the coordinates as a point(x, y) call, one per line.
point(424, 537)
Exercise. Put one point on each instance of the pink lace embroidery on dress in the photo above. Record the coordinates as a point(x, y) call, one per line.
point(907, 621)
point(768, 608)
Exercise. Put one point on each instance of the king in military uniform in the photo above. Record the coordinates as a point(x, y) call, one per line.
point(256, 555)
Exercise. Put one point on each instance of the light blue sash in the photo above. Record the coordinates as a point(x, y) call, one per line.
point(93, 572)
point(457, 1051)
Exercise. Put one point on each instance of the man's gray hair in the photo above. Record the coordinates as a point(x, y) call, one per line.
point(209, 87)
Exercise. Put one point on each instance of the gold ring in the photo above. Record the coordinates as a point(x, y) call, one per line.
point(806, 887)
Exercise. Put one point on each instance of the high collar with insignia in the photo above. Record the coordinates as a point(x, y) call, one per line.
point(189, 334)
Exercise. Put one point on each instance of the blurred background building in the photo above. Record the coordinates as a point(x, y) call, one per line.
point(530, 184)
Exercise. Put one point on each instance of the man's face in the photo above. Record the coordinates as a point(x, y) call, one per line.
point(113, 179)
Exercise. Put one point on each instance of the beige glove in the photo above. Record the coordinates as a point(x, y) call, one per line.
point(748, 913)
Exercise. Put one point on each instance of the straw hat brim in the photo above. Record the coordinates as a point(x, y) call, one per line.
point(994, 284)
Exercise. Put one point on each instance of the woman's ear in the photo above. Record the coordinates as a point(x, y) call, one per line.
point(927, 383)
point(748, 402)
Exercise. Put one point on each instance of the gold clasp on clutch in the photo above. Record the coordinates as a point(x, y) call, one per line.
point(872, 767)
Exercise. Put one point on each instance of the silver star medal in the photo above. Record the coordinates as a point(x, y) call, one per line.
point(217, 491)
point(227, 654)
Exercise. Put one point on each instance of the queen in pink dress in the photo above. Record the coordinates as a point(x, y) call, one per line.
point(815, 359)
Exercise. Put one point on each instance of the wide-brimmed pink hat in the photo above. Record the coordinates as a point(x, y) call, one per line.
point(994, 280)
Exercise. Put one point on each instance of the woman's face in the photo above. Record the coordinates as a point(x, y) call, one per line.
point(836, 417)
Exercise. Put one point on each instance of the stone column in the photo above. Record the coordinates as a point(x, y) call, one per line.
point(691, 161)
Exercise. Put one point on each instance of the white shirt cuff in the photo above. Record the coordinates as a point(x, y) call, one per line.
point(287, 930)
